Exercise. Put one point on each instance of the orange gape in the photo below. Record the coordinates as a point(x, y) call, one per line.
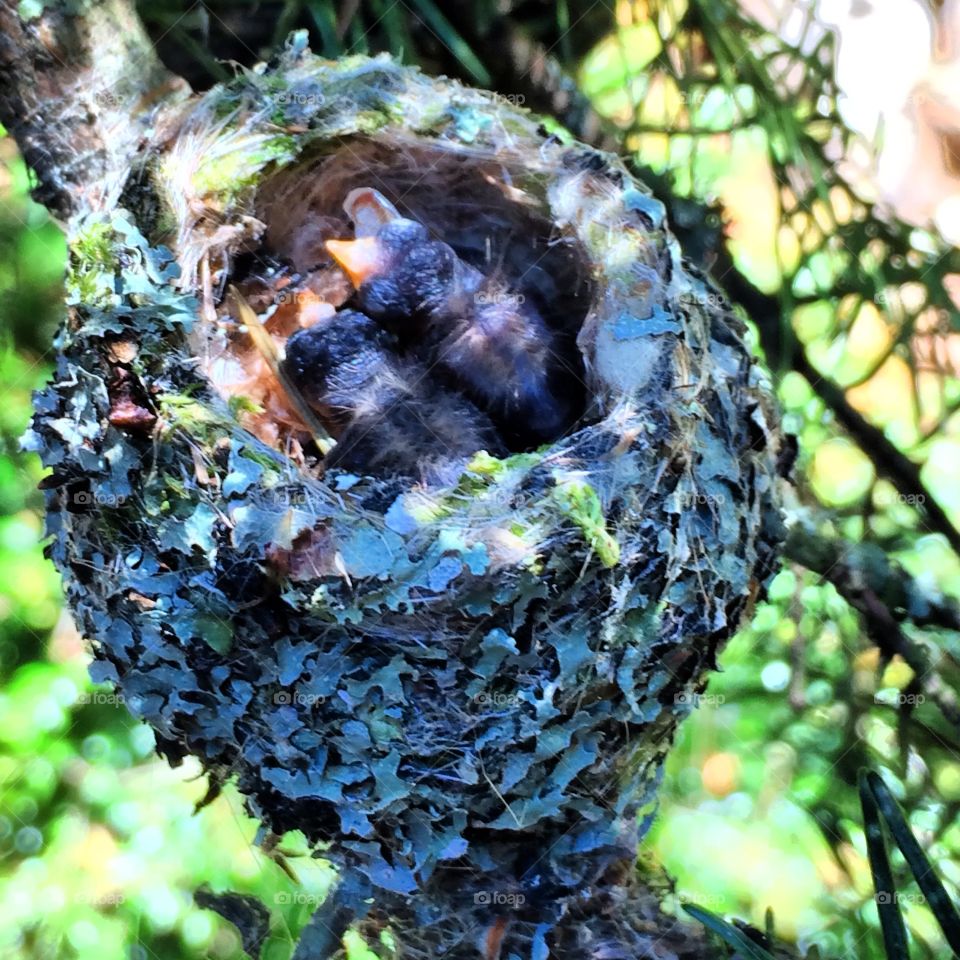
point(493, 941)
point(478, 328)
point(274, 417)
point(360, 259)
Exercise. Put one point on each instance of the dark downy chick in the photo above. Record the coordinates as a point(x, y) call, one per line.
point(491, 343)
point(385, 412)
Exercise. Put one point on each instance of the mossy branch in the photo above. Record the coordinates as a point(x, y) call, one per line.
point(80, 85)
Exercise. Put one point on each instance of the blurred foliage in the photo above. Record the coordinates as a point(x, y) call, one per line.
point(32, 251)
point(100, 849)
point(742, 119)
point(201, 40)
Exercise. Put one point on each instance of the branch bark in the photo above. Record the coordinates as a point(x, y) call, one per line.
point(79, 87)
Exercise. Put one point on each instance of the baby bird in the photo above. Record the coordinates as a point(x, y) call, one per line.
point(490, 342)
point(385, 412)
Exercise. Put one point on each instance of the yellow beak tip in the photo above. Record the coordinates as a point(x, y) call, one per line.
point(359, 259)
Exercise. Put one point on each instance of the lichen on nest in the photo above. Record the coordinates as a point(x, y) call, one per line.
point(462, 686)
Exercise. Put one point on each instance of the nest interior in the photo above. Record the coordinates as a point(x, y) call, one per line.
point(493, 212)
point(456, 689)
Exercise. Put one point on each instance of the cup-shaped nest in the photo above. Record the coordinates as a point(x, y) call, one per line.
point(474, 669)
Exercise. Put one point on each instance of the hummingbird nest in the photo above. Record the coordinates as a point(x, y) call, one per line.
point(461, 689)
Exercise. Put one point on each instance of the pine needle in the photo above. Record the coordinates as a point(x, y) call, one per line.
point(268, 350)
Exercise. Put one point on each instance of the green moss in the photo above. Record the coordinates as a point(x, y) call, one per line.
point(92, 264)
point(182, 411)
point(485, 465)
point(579, 503)
point(94, 246)
point(483, 478)
point(356, 948)
point(239, 405)
point(265, 460)
point(228, 175)
point(370, 121)
point(176, 488)
point(429, 511)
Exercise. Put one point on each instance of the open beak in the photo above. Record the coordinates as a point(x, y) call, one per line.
point(369, 210)
point(360, 259)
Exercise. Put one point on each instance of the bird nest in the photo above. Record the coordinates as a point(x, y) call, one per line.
point(462, 680)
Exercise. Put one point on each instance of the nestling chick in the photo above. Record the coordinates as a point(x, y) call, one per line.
point(386, 413)
point(491, 343)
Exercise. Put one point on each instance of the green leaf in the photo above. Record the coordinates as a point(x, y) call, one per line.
point(891, 920)
point(937, 898)
point(459, 47)
point(728, 933)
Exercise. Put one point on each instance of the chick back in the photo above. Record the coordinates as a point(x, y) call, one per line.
point(486, 339)
point(386, 412)
point(511, 364)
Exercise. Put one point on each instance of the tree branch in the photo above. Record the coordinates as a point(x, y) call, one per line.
point(885, 596)
point(78, 88)
point(890, 462)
